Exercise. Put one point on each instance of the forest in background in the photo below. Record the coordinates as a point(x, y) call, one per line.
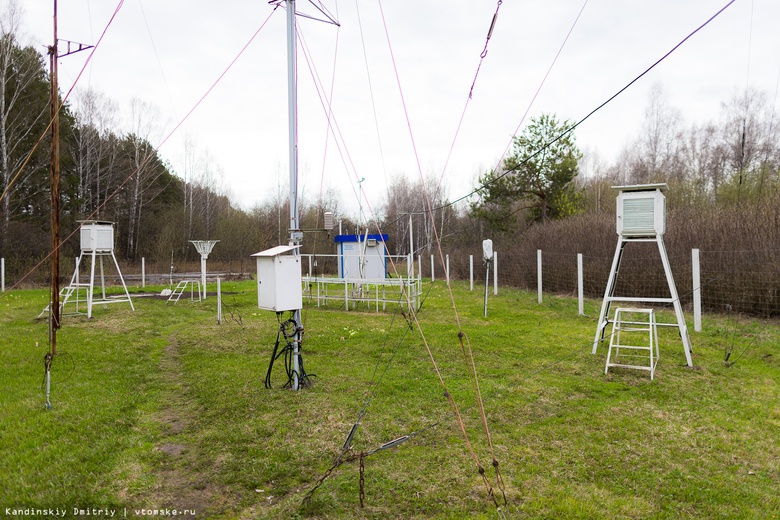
point(723, 187)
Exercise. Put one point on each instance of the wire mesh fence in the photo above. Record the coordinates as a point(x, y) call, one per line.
point(731, 281)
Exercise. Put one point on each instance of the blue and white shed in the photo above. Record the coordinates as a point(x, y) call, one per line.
point(362, 257)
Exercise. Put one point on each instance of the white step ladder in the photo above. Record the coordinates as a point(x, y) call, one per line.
point(626, 349)
point(66, 294)
point(181, 287)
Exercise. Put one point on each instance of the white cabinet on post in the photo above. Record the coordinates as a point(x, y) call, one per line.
point(279, 279)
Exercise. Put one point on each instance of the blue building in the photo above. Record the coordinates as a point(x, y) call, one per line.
point(362, 257)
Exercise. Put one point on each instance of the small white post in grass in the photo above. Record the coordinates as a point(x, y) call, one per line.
point(539, 274)
point(495, 273)
point(219, 301)
point(419, 267)
point(696, 267)
point(447, 269)
point(471, 272)
point(433, 276)
point(410, 266)
point(411, 248)
point(487, 256)
point(143, 271)
point(203, 247)
point(580, 295)
point(2, 274)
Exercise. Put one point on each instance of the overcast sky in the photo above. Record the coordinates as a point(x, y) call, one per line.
point(169, 52)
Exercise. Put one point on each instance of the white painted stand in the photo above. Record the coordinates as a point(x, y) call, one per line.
point(625, 355)
point(97, 242)
point(181, 287)
point(641, 217)
point(673, 298)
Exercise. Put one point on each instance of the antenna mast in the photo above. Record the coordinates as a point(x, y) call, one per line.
point(292, 114)
point(296, 235)
point(54, 305)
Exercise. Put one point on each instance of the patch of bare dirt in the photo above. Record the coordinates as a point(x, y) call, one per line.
point(178, 485)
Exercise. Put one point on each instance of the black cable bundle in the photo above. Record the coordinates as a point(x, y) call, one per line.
point(288, 330)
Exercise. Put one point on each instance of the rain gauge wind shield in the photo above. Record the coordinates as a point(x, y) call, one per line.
point(641, 217)
point(203, 247)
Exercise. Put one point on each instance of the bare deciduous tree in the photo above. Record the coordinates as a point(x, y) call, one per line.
point(23, 105)
point(95, 149)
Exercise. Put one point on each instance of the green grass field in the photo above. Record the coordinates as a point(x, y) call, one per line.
point(165, 409)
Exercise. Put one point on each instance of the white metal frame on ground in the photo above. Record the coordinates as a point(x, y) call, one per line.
point(616, 343)
point(181, 287)
point(371, 292)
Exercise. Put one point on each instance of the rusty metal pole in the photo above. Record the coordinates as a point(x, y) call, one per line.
point(54, 308)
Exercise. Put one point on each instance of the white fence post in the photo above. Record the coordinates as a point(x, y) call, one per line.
point(539, 274)
point(471, 272)
point(219, 301)
point(143, 271)
point(433, 277)
point(419, 266)
point(580, 295)
point(2, 274)
point(447, 269)
point(695, 266)
point(495, 273)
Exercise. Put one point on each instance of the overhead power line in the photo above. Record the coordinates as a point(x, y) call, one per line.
point(602, 105)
